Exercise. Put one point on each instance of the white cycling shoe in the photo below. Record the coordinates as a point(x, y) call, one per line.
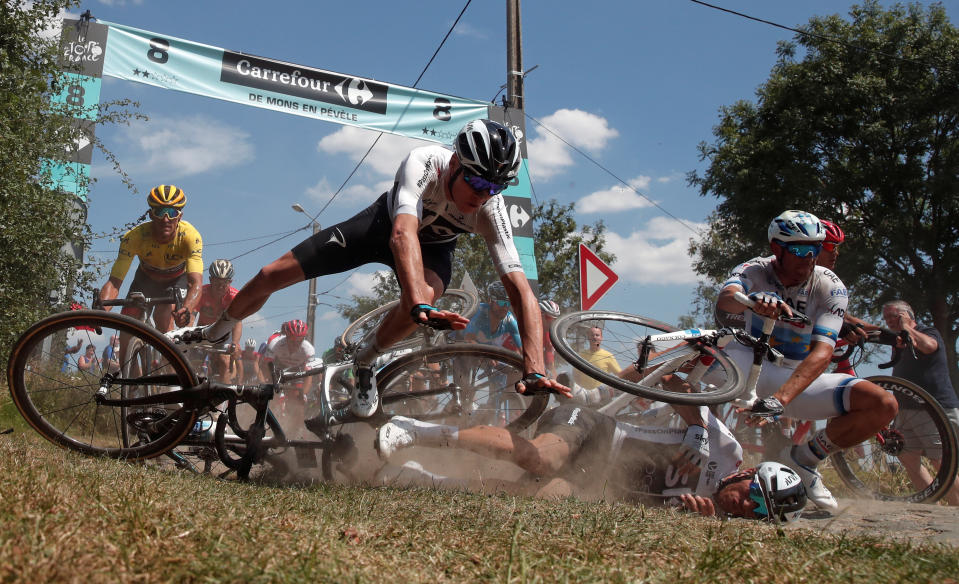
point(816, 491)
point(398, 433)
point(193, 335)
point(364, 399)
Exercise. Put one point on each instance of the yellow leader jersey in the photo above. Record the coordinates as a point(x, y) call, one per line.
point(163, 261)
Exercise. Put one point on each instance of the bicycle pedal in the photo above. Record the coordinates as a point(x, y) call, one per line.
point(306, 457)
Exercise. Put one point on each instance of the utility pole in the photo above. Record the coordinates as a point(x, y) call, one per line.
point(514, 56)
point(311, 298)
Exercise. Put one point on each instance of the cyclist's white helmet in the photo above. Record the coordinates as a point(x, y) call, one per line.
point(796, 227)
point(488, 149)
point(781, 495)
point(221, 269)
point(250, 344)
point(549, 307)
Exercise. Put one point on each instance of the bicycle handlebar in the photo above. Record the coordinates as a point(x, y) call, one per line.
point(796, 318)
point(138, 300)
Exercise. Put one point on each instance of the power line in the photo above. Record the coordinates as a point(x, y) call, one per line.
point(370, 149)
point(612, 174)
point(806, 33)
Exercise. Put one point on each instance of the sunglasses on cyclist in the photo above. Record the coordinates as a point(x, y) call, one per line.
point(168, 212)
point(756, 494)
point(801, 250)
point(830, 246)
point(502, 303)
point(483, 186)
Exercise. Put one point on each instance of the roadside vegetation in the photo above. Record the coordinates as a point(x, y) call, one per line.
point(68, 518)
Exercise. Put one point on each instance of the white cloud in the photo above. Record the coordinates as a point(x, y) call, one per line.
point(354, 142)
point(655, 254)
point(466, 30)
point(617, 197)
point(362, 284)
point(186, 145)
point(321, 192)
point(550, 156)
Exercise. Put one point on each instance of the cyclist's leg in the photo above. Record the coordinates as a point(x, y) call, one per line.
point(856, 408)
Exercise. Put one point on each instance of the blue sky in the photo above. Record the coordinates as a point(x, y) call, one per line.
point(636, 85)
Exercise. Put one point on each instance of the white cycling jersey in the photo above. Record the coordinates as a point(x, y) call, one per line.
point(656, 469)
point(822, 298)
point(420, 190)
point(286, 356)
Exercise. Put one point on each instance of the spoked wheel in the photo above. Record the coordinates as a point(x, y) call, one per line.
point(462, 384)
point(913, 459)
point(460, 301)
point(58, 399)
point(676, 371)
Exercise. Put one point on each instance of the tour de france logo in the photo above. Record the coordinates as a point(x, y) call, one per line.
point(83, 51)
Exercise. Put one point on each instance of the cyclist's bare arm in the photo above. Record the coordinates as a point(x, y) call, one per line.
point(814, 365)
point(769, 308)
point(194, 289)
point(110, 290)
point(414, 286)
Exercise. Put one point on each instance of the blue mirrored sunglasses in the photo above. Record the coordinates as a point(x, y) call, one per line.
point(502, 303)
point(756, 494)
point(802, 250)
point(169, 212)
point(480, 184)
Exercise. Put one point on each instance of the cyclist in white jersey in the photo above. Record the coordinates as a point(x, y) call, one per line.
point(786, 281)
point(437, 195)
point(579, 451)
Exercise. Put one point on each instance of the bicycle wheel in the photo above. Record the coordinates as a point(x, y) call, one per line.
point(463, 385)
point(676, 372)
point(460, 301)
point(913, 459)
point(58, 399)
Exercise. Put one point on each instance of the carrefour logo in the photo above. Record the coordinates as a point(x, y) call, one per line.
point(305, 82)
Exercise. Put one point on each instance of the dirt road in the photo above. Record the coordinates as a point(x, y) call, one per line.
point(917, 523)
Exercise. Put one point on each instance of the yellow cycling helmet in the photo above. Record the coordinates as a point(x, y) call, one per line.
point(167, 196)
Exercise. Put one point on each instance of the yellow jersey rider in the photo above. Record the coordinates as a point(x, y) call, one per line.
point(170, 252)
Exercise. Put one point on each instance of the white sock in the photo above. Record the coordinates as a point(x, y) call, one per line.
point(428, 434)
point(222, 327)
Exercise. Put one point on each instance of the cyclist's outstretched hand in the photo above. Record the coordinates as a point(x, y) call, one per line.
point(697, 504)
point(539, 383)
point(769, 304)
point(427, 315)
point(183, 316)
point(763, 411)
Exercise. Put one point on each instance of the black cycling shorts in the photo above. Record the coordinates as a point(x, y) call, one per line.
point(365, 239)
point(143, 283)
point(588, 433)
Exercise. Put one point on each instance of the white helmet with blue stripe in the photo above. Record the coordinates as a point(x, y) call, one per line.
point(796, 227)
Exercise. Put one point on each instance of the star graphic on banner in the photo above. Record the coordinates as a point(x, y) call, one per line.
point(136, 72)
point(432, 132)
point(146, 74)
point(426, 131)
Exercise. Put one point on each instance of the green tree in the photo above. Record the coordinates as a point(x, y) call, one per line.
point(42, 230)
point(862, 130)
point(556, 242)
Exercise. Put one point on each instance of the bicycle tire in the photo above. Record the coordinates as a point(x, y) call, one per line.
point(480, 376)
point(461, 301)
point(60, 403)
point(621, 332)
point(875, 468)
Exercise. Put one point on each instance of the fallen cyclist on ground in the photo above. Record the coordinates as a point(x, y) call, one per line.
point(580, 452)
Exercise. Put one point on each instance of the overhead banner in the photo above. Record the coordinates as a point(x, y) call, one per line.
point(173, 63)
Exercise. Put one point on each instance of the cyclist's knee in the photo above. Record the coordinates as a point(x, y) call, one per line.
point(879, 402)
point(537, 458)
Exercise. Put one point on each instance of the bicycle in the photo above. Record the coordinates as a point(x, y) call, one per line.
point(456, 300)
point(662, 355)
point(159, 398)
